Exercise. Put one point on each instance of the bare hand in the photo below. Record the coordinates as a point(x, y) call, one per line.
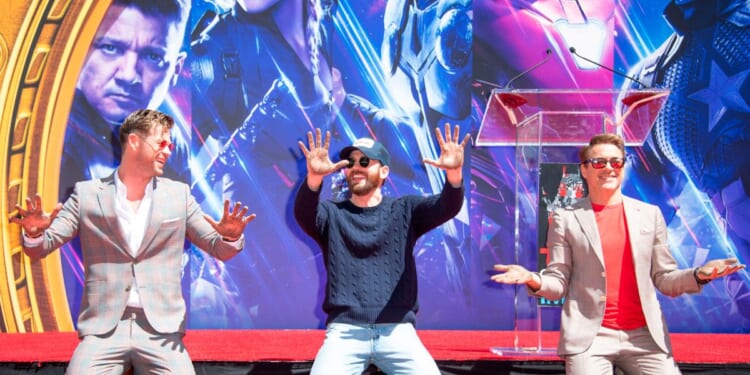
point(718, 268)
point(515, 274)
point(33, 219)
point(233, 223)
point(318, 161)
point(451, 152)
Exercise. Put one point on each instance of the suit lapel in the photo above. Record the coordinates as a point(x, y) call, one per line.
point(106, 199)
point(585, 216)
point(159, 196)
point(632, 212)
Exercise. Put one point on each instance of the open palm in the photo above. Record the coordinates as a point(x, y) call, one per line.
point(318, 161)
point(451, 152)
point(33, 219)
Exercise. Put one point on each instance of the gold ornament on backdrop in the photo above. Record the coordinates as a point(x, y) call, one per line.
point(42, 48)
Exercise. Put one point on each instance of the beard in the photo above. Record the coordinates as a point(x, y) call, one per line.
point(365, 187)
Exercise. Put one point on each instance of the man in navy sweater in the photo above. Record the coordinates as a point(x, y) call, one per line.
point(367, 244)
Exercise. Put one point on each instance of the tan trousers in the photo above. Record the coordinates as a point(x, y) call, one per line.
point(632, 352)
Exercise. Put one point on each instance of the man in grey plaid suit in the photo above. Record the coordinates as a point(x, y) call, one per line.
point(132, 225)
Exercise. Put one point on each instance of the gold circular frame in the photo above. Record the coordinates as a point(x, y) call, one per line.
point(40, 57)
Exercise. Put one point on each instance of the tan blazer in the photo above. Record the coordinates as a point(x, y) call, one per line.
point(576, 271)
point(108, 265)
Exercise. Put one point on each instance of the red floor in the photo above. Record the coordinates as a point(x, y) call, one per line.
point(301, 345)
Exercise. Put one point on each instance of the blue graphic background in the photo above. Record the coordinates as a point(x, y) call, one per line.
point(395, 70)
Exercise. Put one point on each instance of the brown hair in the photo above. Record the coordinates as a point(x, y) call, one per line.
point(606, 138)
point(142, 122)
point(176, 11)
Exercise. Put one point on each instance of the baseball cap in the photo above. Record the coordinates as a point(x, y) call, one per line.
point(370, 147)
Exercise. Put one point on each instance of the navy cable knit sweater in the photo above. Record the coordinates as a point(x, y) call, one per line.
point(368, 252)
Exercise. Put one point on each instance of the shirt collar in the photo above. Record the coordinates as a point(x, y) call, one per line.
point(122, 191)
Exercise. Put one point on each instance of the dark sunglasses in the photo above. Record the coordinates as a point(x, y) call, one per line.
point(363, 162)
point(599, 163)
point(162, 145)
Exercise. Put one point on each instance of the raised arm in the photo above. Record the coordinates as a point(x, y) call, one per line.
point(451, 154)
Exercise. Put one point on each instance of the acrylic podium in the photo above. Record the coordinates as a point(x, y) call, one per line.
point(548, 127)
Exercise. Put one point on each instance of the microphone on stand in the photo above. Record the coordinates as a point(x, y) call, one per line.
point(573, 51)
point(519, 75)
point(635, 97)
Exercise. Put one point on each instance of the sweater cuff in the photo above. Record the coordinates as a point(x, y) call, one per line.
point(450, 187)
point(310, 192)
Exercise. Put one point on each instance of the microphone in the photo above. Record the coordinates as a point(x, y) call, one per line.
point(573, 51)
point(519, 75)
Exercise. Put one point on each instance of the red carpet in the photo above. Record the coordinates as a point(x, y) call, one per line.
point(301, 345)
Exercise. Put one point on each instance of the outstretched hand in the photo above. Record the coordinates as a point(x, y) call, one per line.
point(515, 274)
point(718, 268)
point(232, 223)
point(451, 152)
point(318, 161)
point(33, 219)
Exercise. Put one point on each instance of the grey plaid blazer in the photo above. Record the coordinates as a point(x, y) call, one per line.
point(108, 265)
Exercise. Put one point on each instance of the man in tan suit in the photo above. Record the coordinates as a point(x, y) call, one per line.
point(608, 256)
point(132, 225)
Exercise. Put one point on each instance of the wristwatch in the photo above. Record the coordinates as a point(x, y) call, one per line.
point(699, 280)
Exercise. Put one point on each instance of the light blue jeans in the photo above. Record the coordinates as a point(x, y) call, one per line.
point(394, 348)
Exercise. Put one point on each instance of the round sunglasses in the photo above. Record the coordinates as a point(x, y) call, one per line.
point(364, 162)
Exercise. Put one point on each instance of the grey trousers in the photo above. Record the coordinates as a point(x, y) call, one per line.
point(132, 344)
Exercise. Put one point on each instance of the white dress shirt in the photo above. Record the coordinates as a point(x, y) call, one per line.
point(133, 225)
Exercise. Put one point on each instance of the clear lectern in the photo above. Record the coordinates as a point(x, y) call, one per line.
point(547, 127)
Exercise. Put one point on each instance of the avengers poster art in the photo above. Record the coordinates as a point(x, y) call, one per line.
point(247, 79)
point(693, 164)
point(263, 75)
point(122, 73)
point(522, 44)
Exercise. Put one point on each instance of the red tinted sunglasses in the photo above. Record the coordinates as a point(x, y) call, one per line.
point(162, 145)
point(599, 163)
